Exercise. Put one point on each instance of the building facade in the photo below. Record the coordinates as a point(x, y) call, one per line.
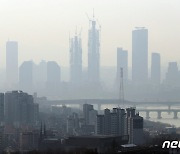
point(75, 60)
point(172, 75)
point(93, 54)
point(20, 109)
point(121, 123)
point(26, 76)
point(1, 108)
point(122, 62)
point(155, 68)
point(12, 64)
point(140, 55)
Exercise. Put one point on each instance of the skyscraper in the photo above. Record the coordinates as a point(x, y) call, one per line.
point(155, 68)
point(122, 62)
point(172, 75)
point(53, 72)
point(139, 55)
point(75, 60)
point(93, 53)
point(26, 76)
point(53, 77)
point(11, 63)
point(40, 75)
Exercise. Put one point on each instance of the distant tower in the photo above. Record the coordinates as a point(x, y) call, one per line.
point(53, 73)
point(11, 63)
point(75, 60)
point(93, 53)
point(40, 74)
point(53, 78)
point(155, 68)
point(172, 75)
point(122, 62)
point(26, 76)
point(140, 55)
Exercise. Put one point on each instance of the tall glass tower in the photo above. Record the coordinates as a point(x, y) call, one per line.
point(93, 53)
point(140, 55)
point(75, 60)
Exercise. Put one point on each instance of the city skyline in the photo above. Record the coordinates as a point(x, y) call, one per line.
point(89, 76)
point(56, 34)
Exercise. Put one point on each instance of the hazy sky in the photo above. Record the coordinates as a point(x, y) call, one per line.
point(42, 27)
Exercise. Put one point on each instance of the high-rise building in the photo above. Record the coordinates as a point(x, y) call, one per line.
point(73, 124)
point(172, 75)
point(86, 109)
point(122, 62)
point(139, 55)
point(155, 68)
point(53, 77)
point(53, 72)
point(107, 121)
point(40, 75)
point(100, 125)
point(1, 108)
point(11, 63)
point(134, 127)
point(121, 123)
point(111, 123)
point(75, 60)
point(93, 53)
point(92, 117)
point(26, 76)
point(20, 108)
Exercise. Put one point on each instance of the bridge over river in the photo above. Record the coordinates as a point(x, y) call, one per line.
point(117, 102)
point(159, 111)
point(99, 102)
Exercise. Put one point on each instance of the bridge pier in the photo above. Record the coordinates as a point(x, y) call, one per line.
point(175, 115)
point(147, 115)
point(159, 115)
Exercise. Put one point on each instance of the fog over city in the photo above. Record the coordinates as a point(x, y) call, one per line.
point(42, 27)
point(89, 76)
point(43, 30)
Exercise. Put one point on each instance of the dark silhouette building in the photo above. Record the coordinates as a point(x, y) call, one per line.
point(20, 109)
point(1, 108)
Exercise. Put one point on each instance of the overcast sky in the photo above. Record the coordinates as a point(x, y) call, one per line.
point(42, 27)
